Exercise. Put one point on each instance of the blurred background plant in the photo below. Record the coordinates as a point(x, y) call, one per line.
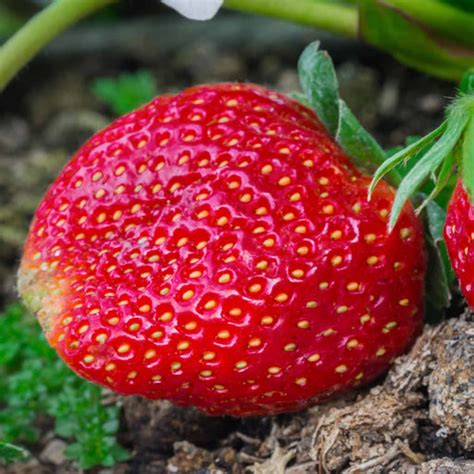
point(127, 91)
point(35, 384)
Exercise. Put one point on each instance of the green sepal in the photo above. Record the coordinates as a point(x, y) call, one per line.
point(10, 453)
point(429, 163)
point(403, 155)
point(357, 141)
point(300, 97)
point(467, 160)
point(321, 90)
point(467, 83)
point(439, 275)
point(442, 180)
point(319, 82)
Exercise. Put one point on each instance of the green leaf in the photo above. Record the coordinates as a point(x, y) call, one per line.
point(405, 154)
point(439, 274)
point(356, 141)
point(79, 414)
point(467, 160)
point(429, 163)
point(466, 5)
point(10, 452)
point(443, 197)
point(445, 172)
point(435, 219)
point(467, 83)
point(319, 82)
point(300, 98)
point(409, 40)
point(126, 92)
point(409, 140)
point(34, 382)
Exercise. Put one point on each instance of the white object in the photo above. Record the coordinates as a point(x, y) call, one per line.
point(195, 9)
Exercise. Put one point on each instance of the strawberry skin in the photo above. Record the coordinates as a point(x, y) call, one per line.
point(458, 234)
point(216, 248)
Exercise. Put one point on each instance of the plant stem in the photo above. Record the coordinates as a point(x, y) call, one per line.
point(39, 31)
point(325, 14)
point(442, 17)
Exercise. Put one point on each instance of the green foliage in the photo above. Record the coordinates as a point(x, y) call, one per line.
point(9, 21)
point(300, 97)
point(400, 157)
point(320, 85)
point(357, 141)
point(467, 159)
point(436, 161)
point(467, 151)
point(408, 166)
point(433, 199)
point(319, 82)
point(429, 178)
point(126, 92)
point(439, 190)
point(80, 415)
point(467, 82)
point(430, 167)
point(394, 29)
point(466, 5)
point(440, 275)
point(9, 453)
point(35, 382)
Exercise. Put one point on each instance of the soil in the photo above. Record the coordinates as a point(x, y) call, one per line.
point(419, 419)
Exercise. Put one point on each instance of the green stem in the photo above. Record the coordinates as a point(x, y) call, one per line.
point(446, 19)
point(39, 31)
point(325, 14)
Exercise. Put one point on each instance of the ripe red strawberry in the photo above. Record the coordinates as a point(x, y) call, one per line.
point(216, 248)
point(458, 234)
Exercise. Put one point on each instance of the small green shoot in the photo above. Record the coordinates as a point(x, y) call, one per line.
point(127, 91)
point(34, 382)
point(10, 453)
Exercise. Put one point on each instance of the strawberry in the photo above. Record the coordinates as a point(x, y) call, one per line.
point(458, 234)
point(216, 248)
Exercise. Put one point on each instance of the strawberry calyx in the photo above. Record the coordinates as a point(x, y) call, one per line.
point(430, 168)
point(448, 148)
point(425, 171)
point(438, 154)
point(321, 92)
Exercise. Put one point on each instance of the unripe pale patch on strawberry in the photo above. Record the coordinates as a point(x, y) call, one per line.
point(216, 248)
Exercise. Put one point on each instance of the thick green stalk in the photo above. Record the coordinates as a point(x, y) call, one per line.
point(39, 31)
point(325, 14)
point(446, 19)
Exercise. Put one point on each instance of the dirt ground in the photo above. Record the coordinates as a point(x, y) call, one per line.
point(419, 419)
